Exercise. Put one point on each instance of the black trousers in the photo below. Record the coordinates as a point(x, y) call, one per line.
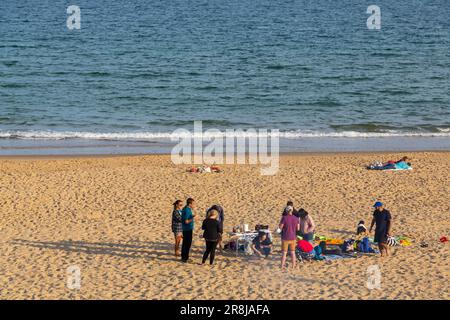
point(186, 246)
point(210, 251)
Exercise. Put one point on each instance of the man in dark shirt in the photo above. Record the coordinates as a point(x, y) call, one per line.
point(383, 222)
point(262, 245)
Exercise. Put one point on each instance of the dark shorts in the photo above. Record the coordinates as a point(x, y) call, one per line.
point(380, 237)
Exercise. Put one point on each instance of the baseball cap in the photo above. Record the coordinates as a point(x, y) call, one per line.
point(378, 204)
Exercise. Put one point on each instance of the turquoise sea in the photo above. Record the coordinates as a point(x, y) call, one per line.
point(138, 70)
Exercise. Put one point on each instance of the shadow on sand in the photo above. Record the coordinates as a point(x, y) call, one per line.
point(149, 250)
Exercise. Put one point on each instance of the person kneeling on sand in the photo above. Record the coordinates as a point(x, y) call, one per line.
point(383, 223)
point(262, 246)
point(289, 226)
point(212, 230)
point(177, 227)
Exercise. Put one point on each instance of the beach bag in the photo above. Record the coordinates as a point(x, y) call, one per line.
point(391, 242)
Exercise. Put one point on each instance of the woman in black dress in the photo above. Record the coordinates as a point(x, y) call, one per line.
point(212, 229)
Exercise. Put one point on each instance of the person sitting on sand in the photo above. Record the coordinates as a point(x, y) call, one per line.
point(383, 223)
point(361, 228)
point(220, 218)
point(177, 228)
point(262, 246)
point(289, 226)
point(307, 225)
point(212, 229)
point(187, 224)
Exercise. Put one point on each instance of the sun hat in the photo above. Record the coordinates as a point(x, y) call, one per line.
point(378, 204)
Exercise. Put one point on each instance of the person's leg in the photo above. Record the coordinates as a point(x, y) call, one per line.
point(292, 250)
point(178, 239)
point(183, 246)
point(283, 260)
point(186, 246)
point(381, 248)
point(207, 251)
point(189, 243)
point(213, 252)
point(385, 249)
point(283, 256)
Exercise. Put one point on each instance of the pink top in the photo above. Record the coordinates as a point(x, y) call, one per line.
point(307, 225)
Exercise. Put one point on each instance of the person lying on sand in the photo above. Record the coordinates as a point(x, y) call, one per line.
point(262, 246)
point(383, 223)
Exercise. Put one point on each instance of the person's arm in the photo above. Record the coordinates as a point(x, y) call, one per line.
point(389, 225)
point(203, 224)
point(312, 225)
point(372, 224)
point(219, 228)
point(281, 225)
point(187, 221)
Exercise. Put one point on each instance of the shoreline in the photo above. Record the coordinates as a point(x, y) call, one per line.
point(287, 153)
point(77, 147)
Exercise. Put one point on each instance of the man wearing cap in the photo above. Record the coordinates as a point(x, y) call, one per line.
point(383, 222)
point(289, 226)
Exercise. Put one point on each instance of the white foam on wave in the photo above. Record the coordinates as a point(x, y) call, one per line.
point(148, 136)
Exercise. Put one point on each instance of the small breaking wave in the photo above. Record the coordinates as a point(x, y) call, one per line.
point(184, 133)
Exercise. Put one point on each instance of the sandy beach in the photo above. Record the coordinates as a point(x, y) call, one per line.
point(110, 216)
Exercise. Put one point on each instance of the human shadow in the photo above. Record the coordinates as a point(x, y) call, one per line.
point(150, 250)
point(344, 232)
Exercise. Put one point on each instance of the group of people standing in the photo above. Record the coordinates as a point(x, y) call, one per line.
point(183, 220)
point(293, 223)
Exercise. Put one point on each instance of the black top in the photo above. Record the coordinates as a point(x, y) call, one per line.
point(258, 243)
point(218, 209)
point(212, 229)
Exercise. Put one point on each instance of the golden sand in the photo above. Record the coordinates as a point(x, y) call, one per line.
point(111, 218)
